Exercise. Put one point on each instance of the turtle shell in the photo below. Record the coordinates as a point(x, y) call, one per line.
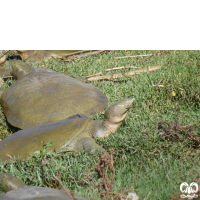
point(36, 193)
point(41, 97)
point(17, 190)
point(64, 134)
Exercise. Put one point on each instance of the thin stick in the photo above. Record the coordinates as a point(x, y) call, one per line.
point(68, 193)
point(60, 54)
point(158, 86)
point(91, 53)
point(189, 174)
point(118, 68)
point(69, 58)
point(194, 138)
point(78, 52)
point(100, 73)
point(133, 56)
point(42, 66)
point(75, 53)
point(153, 55)
point(198, 181)
point(124, 74)
point(113, 171)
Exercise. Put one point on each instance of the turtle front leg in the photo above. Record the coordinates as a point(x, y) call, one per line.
point(90, 145)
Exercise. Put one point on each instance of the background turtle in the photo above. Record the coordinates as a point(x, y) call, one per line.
point(17, 190)
point(5, 72)
point(71, 134)
point(3, 56)
point(39, 55)
point(42, 96)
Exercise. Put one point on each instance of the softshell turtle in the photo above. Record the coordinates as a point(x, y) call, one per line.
point(16, 189)
point(38, 97)
point(71, 134)
point(5, 71)
point(39, 55)
point(36, 55)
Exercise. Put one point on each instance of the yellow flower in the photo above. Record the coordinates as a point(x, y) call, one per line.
point(180, 92)
point(173, 93)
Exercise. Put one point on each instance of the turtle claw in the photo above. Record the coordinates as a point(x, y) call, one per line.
point(90, 146)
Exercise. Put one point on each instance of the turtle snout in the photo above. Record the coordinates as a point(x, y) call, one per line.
point(128, 103)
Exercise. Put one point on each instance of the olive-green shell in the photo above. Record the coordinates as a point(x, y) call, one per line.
point(17, 190)
point(36, 193)
point(65, 134)
point(42, 97)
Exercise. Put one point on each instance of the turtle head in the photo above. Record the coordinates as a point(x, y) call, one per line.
point(117, 112)
point(20, 69)
point(114, 116)
point(9, 182)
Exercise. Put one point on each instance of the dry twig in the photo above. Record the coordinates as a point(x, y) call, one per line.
point(71, 195)
point(74, 57)
point(118, 68)
point(160, 51)
point(42, 66)
point(114, 76)
point(158, 85)
point(172, 128)
point(133, 56)
point(192, 137)
point(100, 73)
point(105, 161)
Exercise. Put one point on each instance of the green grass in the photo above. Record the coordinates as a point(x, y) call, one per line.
point(145, 162)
